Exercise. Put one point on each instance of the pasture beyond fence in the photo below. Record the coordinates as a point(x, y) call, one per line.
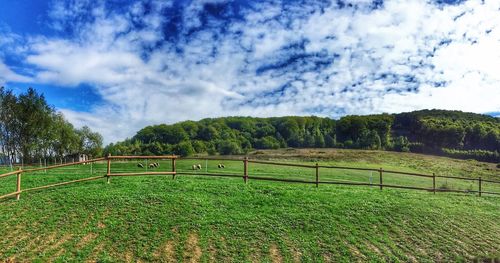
point(320, 174)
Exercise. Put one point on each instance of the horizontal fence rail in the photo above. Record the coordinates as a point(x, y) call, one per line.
point(19, 173)
point(141, 157)
point(315, 178)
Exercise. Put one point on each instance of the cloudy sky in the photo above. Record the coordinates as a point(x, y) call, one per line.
point(120, 65)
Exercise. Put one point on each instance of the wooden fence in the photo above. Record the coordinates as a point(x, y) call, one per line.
point(316, 179)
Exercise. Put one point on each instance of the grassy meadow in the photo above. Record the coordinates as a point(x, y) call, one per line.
point(214, 219)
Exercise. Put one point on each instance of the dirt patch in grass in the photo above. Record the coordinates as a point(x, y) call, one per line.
point(296, 253)
point(192, 251)
point(101, 225)
point(212, 253)
point(86, 239)
point(356, 253)
point(327, 257)
point(167, 252)
point(275, 254)
point(57, 246)
point(94, 256)
point(129, 257)
point(373, 248)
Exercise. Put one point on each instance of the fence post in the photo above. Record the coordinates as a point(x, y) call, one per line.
point(18, 188)
point(317, 175)
point(245, 169)
point(174, 169)
point(380, 172)
point(480, 180)
point(434, 183)
point(108, 174)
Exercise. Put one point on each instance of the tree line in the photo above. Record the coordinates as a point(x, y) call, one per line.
point(441, 132)
point(32, 130)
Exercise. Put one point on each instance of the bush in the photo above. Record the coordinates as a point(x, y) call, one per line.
point(330, 141)
point(199, 146)
point(416, 147)
point(229, 148)
point(369, 140)
point(480, 155)
point(319, 141)
point(184, 148)
point(401, 144)
point(267, 142)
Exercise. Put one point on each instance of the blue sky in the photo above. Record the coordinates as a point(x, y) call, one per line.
point(120, 65)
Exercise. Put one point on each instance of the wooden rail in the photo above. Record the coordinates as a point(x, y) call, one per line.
point(63, 183)
point(141, 157)
point(245, 175)
point(283, 164)
point(20, 172)
point(146, 173)
point(62, 165)
point(10, 173)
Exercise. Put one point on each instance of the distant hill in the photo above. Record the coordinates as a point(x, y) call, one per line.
point(452, 133)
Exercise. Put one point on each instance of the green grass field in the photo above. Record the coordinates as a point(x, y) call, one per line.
point(214, 219)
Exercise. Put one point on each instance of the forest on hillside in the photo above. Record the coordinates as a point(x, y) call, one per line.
point(451, 133)
point(31, 131)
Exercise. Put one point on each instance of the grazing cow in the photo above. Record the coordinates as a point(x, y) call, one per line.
point(220, 165)
point(151, 165)
point(140, 165)
point(199, 166)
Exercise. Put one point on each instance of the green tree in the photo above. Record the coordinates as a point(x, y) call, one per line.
point(184, 148)
point(369, 140)
point(90, 142)
point(229, 148)
point(330, 141)
point(401, 144)
point(267, 142)
point(199, 146)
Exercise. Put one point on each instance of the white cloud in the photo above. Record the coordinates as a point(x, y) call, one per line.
point(272, 60)
point(7, 75)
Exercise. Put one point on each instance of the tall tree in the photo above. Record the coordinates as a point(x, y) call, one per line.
point(90, 142)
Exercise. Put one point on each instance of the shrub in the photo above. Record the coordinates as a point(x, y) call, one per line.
point(369, 140)
point(267, 142)
point(480, 155)
point(330, 141)
point(184, 148)
point(401, 144)
point(199, 146)
point(416, 147)
point(229, 148)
